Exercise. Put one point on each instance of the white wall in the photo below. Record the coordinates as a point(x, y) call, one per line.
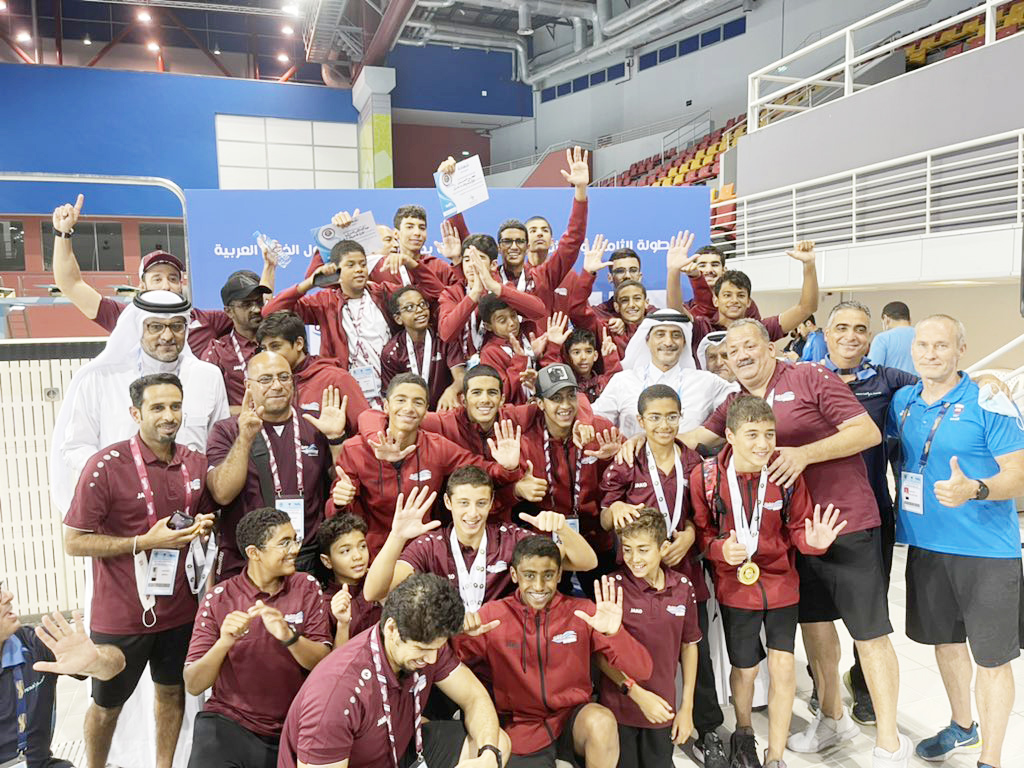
point(713, 78)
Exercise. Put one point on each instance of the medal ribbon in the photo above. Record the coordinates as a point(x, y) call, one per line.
point(747, 534)
point(427, 351)
point(671, 521)
point(472, 582)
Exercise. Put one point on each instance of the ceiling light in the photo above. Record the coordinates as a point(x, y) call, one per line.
point(24, 37)
point(144, 17)
point(283, 58)
point(87, 40)
point(287, 30)
point(216, 50)
point(154, 47)
point(291, 10)
point(3, 5)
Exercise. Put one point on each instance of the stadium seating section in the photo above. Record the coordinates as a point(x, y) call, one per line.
point(965, 36)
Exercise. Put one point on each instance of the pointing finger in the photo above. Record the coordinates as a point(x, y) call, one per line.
point(79, 203)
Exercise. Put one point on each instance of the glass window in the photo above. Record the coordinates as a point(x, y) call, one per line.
point(563, 89)
point(648, 60)
point(597, 78)
point(98, 246)
point(734, 27)
point(154, 236)
point(12, 246)
point(710, 37)
point(667, 53)
point(615, 71)
point(580, 83)
point(547, 94)
point(689, 45)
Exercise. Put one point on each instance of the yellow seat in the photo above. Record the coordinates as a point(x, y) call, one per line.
point(1015, 16)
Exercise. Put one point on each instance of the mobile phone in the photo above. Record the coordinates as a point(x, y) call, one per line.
point(180, 521)
point(321, 279)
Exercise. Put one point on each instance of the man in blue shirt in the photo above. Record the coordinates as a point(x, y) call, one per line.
point(963, 464)
point(814, 341)
point(891, 347)
point(29, 664)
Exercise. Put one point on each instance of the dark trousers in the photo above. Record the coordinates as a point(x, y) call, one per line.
point(220, 742)
point(707, 715)
point(645, 747)
point(888, 533)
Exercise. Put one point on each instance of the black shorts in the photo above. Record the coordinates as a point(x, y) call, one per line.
point(442, 745)
point(563, 748)
point(164, 651)
point(645, 747)
point(743, 633)
point(220, 742)
point(956, 598)
point(847, 582)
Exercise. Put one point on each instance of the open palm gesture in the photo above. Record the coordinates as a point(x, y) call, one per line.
point(579, 169)
point(331, 421)
point(822, 529)
point(608, 599)
point(505, 445)
point(408, 522)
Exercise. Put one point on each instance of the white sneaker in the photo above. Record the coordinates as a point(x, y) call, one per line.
point(823, 732)
point(898, 759)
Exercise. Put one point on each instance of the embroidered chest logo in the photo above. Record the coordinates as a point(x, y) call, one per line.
point(676, 610)
point(310, 450)
point(565, 638)
point(639, 485)
point(422, 476)
point(636, 610)
point(785, 397)
point(498, 567)
point(310, 406)
point(957, 410)
point(773, 505)
point(294, 618)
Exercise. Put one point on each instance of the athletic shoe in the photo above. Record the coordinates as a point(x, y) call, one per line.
point(709, 751)
point(898, 759)
point(862, 711)
point(743, 748)
point(949, 741)
point(823, 732)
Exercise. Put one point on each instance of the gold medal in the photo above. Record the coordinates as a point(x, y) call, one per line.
point(748, 573)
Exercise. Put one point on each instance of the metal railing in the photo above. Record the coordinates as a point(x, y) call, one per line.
point(970, 185)
point(536, 157)
point(762, 108)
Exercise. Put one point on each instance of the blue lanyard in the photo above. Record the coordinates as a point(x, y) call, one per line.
point(931, 435)
point(21, 709)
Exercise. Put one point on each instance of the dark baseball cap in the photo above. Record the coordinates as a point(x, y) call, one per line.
point(553, 378)
point(153, 258)
point(241, 286)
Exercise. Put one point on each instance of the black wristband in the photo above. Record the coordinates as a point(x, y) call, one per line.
point(293, 639)
point(65, 235)
point(490, 748)
point(336, 440)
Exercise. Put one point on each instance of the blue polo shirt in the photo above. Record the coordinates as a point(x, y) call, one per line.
point(20, 651)
point(976, 437)
point(892, 349)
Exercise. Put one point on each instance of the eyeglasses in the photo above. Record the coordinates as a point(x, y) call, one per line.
point(285, 545)
point(156, 328)
point(268, 379)
point(625, 271)
point(414, 307)
point(247, 303)
point(671, 419)
point(512, 241)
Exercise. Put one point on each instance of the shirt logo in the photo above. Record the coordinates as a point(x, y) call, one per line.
point(310, 406)
point(498, 567)
point(676, 610)
point(565, 638)
point(636, 610)
point(196, 484)
point(773, 505)
point(310, 450)
point(422, 475)
point(294, 618)
point(141, 496)
point(957, 410)
point(785, 397)
point(589, 460)
point(639, 485)
point(561, 291)
point(238, 368)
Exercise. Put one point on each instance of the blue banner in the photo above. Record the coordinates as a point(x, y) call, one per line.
point(221, 223)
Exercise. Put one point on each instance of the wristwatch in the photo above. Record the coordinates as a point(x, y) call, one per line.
point(491, 748)
point(293, 639)
point(982, 493)
point(627, 685)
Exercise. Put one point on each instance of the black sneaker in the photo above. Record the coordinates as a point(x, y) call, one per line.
point(709, 751)
point(743, 747)
point(862, 711)
point(813, 704)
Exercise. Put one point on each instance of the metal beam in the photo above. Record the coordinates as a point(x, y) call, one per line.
point(110, 46)
point(289, 74)
point(197, 5)
point(197, 42)
point(388, 31)
point(16, 48)
point(59, 36)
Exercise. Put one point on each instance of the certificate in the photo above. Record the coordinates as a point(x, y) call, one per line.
point(462, 189)
point(363, 230)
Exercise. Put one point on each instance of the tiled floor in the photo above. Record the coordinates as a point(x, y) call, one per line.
point(923, 708)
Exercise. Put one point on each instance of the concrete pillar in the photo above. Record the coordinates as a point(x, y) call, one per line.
point(371, 95)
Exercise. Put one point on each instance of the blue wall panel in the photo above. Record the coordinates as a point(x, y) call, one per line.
point(80, 120)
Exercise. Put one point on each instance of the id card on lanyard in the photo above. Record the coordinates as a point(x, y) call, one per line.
point(292, 505)
point(912, 483)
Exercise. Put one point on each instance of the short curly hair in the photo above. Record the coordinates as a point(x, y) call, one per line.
point(425, 608)
point(336, 527)
point(649, 521)
point(254, 528)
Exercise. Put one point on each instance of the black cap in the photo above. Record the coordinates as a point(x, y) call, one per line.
point(553, 378)
point(241, 286)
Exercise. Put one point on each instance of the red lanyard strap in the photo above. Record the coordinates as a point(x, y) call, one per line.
point(147, 489)
point(579, 471)
point(417, 704)
point(279, 492)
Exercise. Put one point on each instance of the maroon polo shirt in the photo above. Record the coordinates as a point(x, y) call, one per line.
point(432, 553)
point(702, 326)
point(109, 501)
point(444, 356)
point(206, 325)
point(662, 622)
point(633, 485)
point(810, 402)
point(316, 464)
point(338, 713)
point(364, 613)
point(231, 362)
point(259, 677)
point(315, 374)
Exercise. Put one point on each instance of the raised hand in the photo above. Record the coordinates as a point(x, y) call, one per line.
point(821, 529)
point(341, 605)
point(450, 246)
point(66, 216)
point(674, 550)
point(608, 617)
point(791, 461)
point(528, 379)
point(306, 285)
point(654, 708)
point(733, 552)
point(558, 329)
point(471, 624)
point(608, 444)
point(342, 219)
point(447, 165)
point(73, 651)
point(250, 417)
point(474, 288)
point(235, 625)
point(386, 448)
point(538, 344)
point(593, 259)
point(530, 487)
point(516, 346)
point(505, 445)
point(408, 522)
point(624, 513)
point(579, 169)
point(679, 259)
point(607, 345)
point(583, 434)
point(484, 271)
point(331, 422)
point(545, 521)
point(344, 491)
point(804, 251)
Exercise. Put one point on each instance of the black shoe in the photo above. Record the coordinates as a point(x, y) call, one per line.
point(710, 752)
point(862, 711)
point(743, 747)
point(813, 704)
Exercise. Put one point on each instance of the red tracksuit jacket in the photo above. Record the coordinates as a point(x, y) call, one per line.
point(540, 661)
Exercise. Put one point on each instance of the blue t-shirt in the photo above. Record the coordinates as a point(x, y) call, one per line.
point(892, 349)
point(976, 437)
point(815, 347)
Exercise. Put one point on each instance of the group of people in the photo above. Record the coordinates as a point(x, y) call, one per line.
point(484, 526)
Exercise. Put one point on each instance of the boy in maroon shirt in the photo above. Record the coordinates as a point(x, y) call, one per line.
point(538, 644)
point(268, 618)
point(660, 611)
point(580, 352)
point(756, 581)
point(343, 552)
point(507, 349)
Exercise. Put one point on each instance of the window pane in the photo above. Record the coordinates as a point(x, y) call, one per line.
point(12, 246)
point(152, 237)
point(109, 247)
point(84, 241)
point(177, 240)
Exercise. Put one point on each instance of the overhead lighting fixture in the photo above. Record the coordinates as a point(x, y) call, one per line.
point(24, 37)
point(287, 30)
point(283, 58)
point(291, 10)
point(144, 17)
point(3, 5)
point(87, 40)
point(154, 47)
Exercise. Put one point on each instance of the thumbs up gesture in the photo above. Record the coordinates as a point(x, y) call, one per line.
point(958, 490)
point(733, 552)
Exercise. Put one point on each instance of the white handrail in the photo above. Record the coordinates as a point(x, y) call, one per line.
point(1013, 344)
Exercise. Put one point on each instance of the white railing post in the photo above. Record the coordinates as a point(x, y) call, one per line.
point(848, 63)
point(928, 194)
point(793, 211)
point(1013, 344)
point(1020, 178)
point(752, 107)
point(746, 238)
point(990, 22)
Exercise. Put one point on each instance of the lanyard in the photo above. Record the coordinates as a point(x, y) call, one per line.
point(363, 353)
point(21, 709)
point(473, 581)
point(147, 489)
point(931, 435)
point(238, 350)
point(747, 534)
point(672, 521)
point(416, 687)
point(576, 479)
point(298, 458)
point(427, 352)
